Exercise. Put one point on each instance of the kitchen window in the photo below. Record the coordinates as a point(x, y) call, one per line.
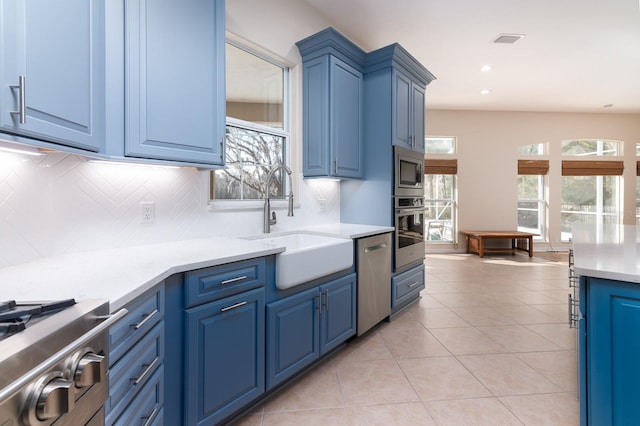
point(257, 132)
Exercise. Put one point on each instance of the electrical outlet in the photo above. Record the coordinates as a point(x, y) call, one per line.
point(322, 205)
point(147, 211)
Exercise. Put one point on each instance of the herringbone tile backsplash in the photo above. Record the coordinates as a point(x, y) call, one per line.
point(61, 203)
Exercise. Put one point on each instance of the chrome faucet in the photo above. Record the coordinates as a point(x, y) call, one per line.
point(269, 216)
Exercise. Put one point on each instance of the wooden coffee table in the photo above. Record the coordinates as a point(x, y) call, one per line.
point(476, 240)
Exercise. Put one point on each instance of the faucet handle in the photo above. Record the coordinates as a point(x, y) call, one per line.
point(273, 220)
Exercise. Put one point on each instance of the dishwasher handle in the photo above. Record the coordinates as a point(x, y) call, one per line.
point(374, 248)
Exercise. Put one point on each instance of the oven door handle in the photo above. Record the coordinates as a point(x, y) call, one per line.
point(59, 356)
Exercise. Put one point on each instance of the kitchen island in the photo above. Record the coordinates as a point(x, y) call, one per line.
point(608, 266)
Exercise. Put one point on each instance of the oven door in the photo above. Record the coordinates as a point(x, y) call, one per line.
point(409, 244)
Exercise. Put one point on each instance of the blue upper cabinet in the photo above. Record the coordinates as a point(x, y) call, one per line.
point(393, 65)
point(52, 71)
point(333, 96)
point(175, 80)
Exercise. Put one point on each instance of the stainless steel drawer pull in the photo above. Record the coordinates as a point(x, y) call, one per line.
point(374, 248)
point(148, 368)
point(233, 280)
point(150, 418)
point(412, 285)
point(237, 305)
point(146, 319)
point(22, 101)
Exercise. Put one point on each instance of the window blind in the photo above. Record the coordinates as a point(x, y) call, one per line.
point(440, 167)
point(533, 167)
point(592, 168)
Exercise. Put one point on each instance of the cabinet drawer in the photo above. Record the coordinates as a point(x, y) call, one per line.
point(406, 285)
point(205, 285)
point(129, 375)
point(142, 316)
point(147, 409)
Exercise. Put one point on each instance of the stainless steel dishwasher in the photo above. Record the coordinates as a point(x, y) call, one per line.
point(373, 264)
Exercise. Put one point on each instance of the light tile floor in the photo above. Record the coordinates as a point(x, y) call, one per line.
point(488, 344)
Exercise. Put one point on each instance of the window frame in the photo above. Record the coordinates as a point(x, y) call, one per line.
point(284, 132)
point(444, 164)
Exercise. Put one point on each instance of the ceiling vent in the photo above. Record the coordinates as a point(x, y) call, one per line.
point(508, 38)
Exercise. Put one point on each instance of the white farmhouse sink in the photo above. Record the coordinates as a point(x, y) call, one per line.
point(308, 257)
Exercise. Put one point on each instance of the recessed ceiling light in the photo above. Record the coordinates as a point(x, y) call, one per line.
point(485, 91)
point(508, 38)
point(485, 68)
point(607, 106)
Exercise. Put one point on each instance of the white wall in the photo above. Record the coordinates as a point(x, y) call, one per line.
point(487, 157)
point(61, 203)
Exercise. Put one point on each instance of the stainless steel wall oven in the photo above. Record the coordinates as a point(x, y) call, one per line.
point(408, 207)
point(409, 224)
point(53, 362)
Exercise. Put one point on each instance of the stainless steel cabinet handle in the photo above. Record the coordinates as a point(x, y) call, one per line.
point(237, 305)
point(146, 319)
point(574, 315)
point(412, 285)
point(326, 300)
point(22, 101)
point(376, 247)
point(335, 166)
point(233, 280)
point(148, 368)
point(150, 418)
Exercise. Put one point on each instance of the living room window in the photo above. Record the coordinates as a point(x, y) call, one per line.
point(257, 132)
point(440, 189)
point(532, 205)
point(591, 189)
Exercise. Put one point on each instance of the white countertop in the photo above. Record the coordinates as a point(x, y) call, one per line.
point(610, 252)
point(119, 275)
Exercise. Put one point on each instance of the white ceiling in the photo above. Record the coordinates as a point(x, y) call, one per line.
point(577, 55)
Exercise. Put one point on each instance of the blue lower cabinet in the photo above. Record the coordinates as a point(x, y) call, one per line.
point(293, 327)
point(338, 319)
point(148, 408)
point(612, 353)
point(224, 356)
point(406, 287)
point(303, 327)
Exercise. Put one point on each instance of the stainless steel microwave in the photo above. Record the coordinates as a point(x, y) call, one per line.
point(409, 173)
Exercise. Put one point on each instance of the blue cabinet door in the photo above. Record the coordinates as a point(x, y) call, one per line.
point(418, 106)
point(333, 119)
point(408, 112)
point(401, 110)
point(346, 119)
point(338, 320)
point(175, 80)
point(292, 335)
point(58, 47)
point(613, 351)
point(224, 356)
point(315, 149)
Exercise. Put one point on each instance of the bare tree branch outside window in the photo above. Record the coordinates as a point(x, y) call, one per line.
point(250, 155)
